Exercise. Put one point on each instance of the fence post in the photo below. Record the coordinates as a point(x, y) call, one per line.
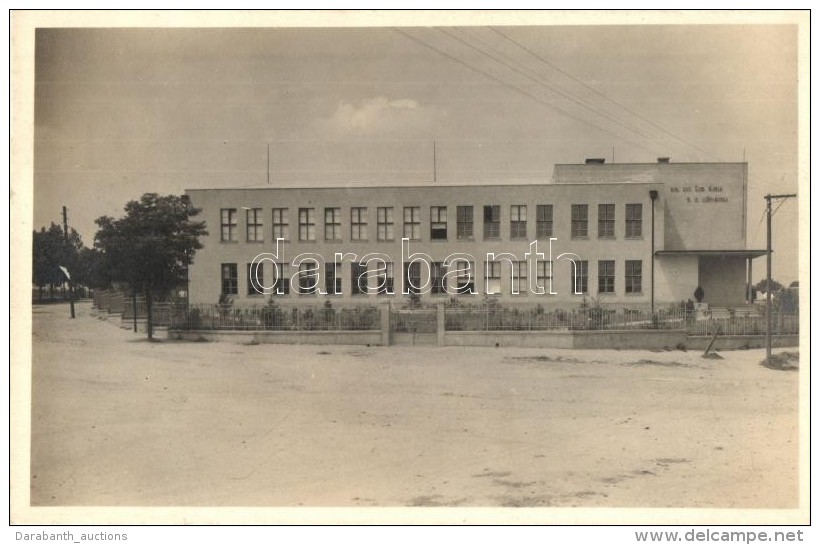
point(439, 324)
point(384, 311)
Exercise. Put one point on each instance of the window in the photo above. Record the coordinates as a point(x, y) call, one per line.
point(230, 283)
point(464, 276)
point(518, 221)
point(580, 219)
point(308, 277)
point(633, 276)
point(412, 222)
point(438, 223)
point(464, 222)
point(634, 218)
point(253, 225)
point(543, 220)
point(492, 270)
point(307, 224)
point(519, 279)
point(281, 282)
point(358, 278)
point(384, 223)
point(492, 221)
point(333, 224)
point(579, 277)
point(606, 277)
point(358, 224)
point(544, 274)
point(333, 283)
point(280, 223)
point(228, 224)
point(437, 277)
point(386, 280)
point(606, 220)
point(256, 278)
point(412, 277)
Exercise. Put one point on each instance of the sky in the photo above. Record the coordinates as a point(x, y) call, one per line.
point(123, 111)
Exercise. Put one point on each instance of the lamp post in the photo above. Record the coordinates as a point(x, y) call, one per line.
point(653, 195)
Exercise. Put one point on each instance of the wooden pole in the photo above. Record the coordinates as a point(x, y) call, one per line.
point(70, 284)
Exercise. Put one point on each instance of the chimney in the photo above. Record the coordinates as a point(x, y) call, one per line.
point(663, 160)
point(596, 161)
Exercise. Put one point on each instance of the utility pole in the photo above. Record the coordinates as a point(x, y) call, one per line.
point(769, 198)
point(435, 168)
point(653, 196)
point(70, 284)
point(268, 163)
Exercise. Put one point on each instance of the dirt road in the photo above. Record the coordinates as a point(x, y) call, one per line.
point(120, 421)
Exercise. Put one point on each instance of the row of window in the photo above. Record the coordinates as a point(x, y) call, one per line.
point(411, 226)
point(307, 281)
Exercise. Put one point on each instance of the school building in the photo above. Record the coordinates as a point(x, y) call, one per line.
point(629, 234)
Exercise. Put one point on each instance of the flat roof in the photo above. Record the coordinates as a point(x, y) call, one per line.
point(429, 185)
point(711, 253)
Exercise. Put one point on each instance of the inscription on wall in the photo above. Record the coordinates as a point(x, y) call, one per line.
point(698, 194)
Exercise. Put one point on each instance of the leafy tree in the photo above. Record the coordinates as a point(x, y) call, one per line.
point(49, 252)
point(786, 301)
point(761, 286)
point(91, 269)
point(149, 249)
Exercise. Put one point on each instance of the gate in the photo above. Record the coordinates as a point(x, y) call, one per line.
point(413, 327)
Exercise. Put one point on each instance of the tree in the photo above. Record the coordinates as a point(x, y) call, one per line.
point(49, 252)
point(91, 270)
point(761, 286)
point(150, 248)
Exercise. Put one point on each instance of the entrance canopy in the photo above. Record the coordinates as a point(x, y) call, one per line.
point(745, 254)
point(721, 274)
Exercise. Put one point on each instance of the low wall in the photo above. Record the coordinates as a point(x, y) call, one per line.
point(280, 337)
point(742, 342)
point(568, 339)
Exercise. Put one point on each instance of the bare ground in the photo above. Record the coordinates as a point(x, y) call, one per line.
point(119, 421)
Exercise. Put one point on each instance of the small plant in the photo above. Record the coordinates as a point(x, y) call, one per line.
point(698, 294)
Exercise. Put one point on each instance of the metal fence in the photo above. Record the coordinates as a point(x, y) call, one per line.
point(108, 300)
point(414, 321)
point(597, 319)
point(278, 318)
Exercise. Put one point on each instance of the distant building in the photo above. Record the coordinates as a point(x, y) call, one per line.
point(346, 243)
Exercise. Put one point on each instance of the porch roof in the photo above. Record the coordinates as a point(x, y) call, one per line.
point(746, 254)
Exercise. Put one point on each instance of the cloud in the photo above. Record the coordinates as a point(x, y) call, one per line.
point(377, 115)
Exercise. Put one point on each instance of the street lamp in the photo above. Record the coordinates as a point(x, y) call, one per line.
point(653, 195)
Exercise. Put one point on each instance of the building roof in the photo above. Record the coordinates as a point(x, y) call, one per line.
point(712, 253)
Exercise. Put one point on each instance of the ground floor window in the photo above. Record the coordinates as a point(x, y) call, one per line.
point(230, 280)
point(308, 277)
point(544, 274)
point(281, 279)
point(386, 280)
point(579, 276)
point(358, 278)
point(492, 278)
point(333, 283)
point(633, 276)
point(606, 277)
point(437, 277)
point(412, 277)
point(519, 279)
point(464, 277)
point(256, 278)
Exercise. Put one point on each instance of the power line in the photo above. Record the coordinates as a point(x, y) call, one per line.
point(512, 87)
point(599, 93)
point(559, 92)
